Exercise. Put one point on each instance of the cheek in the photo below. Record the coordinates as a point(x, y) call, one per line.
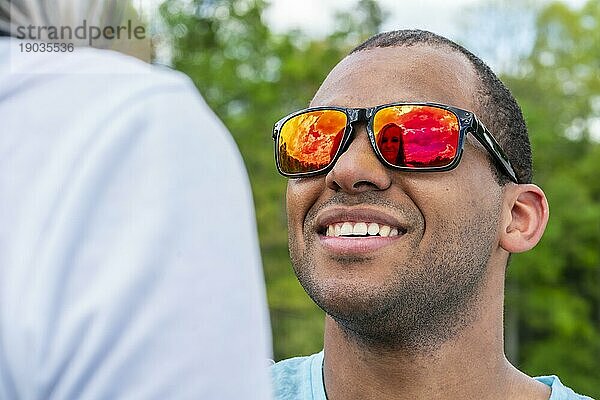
point(439, 207)
point(301, 195)
point(449, 201)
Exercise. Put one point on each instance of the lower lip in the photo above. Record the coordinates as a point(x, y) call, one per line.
point(355, 245)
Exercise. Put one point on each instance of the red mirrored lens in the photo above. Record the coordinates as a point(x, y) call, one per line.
point(416, 136)
point(308, 142)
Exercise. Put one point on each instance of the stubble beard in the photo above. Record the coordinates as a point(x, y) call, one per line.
point(431, 297)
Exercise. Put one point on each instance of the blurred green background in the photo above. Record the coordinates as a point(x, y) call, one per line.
point(252, 75)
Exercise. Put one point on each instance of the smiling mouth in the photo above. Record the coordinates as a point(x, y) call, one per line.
point(350, 229)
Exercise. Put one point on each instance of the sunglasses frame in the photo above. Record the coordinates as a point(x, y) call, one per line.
point(468, 123)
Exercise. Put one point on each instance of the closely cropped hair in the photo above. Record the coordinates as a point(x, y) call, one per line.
point(498, 109)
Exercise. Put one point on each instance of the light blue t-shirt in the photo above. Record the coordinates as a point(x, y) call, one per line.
point(301, 378)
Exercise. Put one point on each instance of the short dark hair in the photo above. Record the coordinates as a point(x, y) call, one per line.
point(498, 109)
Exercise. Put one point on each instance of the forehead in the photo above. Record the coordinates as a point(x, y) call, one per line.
point(416, 73)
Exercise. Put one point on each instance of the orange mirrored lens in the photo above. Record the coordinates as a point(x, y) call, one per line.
point(416, 136)
point(308, 142)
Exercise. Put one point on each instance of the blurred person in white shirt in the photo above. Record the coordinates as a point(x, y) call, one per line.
point(129, 261)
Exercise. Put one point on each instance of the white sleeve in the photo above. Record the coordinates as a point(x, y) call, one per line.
point(147, 283)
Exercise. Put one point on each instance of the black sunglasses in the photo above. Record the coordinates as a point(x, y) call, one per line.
point(424, 137)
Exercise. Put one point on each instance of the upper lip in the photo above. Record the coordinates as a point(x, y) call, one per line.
point(332, 216)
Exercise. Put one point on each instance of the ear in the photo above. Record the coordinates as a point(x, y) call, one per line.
point(525, 217)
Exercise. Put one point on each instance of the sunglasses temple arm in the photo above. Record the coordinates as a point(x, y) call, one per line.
point(487, 140)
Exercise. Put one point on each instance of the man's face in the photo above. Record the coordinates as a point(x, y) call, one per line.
point(417, 280)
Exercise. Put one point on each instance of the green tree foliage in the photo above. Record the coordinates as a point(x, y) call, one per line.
point(555, 289)
point(252, 76)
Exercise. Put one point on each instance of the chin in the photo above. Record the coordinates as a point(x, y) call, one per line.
point(343, 298)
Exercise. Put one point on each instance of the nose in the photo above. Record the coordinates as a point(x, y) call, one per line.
point(358, 169)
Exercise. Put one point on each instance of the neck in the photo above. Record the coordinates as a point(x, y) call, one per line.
point(470, 365)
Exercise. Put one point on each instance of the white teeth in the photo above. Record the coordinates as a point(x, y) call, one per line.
point(346, 229)
point(330, 230)
point(384, 231)
point(361, 229)
point(373, 229)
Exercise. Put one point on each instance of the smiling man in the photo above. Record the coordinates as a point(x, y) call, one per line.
point(407, 254)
